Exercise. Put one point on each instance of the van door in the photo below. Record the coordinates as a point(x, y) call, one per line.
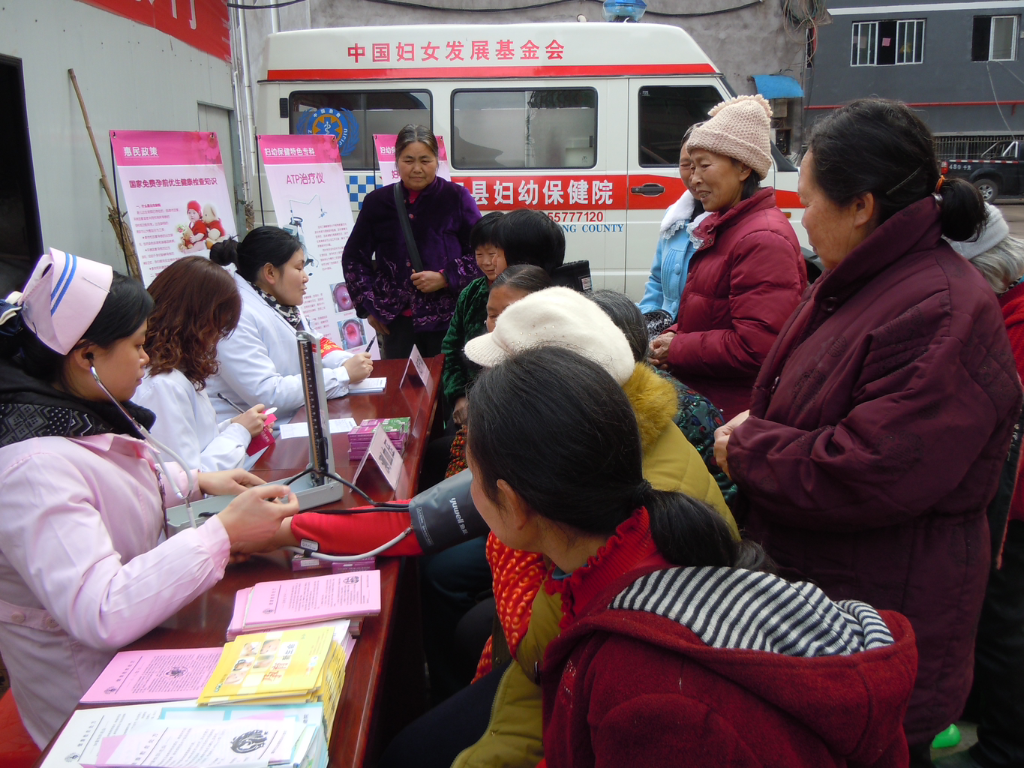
point(660, 111)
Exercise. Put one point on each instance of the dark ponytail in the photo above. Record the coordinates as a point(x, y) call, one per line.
point(225, 252)
point(963, 210)
point(882, 147)
point(557, 428)
point(262, 246)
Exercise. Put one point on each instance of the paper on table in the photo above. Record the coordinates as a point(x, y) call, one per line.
point(308, 718)
point(185, 744)
point(301, 428)
point(371, 386)
point(169, 675)
point(78, 744)
point(340, 595)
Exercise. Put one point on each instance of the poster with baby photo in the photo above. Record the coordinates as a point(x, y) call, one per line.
point(178, 199)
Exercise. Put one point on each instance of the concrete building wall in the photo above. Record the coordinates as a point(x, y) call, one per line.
point(750, 41)
point(946, 75)
point(132, 78)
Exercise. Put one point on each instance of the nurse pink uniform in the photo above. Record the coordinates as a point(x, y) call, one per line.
point(82, 569)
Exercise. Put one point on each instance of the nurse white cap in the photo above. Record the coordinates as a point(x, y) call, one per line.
point(63, 297)
point(556, 317)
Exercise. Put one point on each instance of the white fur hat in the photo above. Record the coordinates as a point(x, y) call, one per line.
point(993, 232)
point(556, 317)
point(739, 128)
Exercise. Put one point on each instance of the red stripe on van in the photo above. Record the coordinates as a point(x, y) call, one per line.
point(785, 198)
point(458, 73)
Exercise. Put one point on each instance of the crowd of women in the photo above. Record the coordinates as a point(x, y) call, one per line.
point(747, 522)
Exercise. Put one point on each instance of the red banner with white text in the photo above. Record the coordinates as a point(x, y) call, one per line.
point(203, 24)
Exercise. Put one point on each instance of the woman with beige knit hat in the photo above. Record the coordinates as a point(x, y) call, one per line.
point(748, 273)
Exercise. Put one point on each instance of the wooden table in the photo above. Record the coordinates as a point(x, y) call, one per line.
point(384, 686)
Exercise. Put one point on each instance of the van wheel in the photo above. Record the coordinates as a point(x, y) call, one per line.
point(988, 188)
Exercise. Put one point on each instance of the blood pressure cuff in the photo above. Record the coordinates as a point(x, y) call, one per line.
point(441, 517)
point(445, 515)
point(354, 533)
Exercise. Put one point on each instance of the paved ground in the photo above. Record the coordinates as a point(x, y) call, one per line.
point(1013, 212)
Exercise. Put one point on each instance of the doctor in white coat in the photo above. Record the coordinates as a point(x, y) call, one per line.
point(197, 305)
point(259, 361)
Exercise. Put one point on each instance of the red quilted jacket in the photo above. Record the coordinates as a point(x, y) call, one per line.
point(743, 284)
point(680, 667)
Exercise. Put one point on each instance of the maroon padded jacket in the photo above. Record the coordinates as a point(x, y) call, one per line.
point(743, 283)
point(878, 428)
point(625, 686)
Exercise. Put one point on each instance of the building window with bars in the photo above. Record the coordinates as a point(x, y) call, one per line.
point(885, 43)
point(995, 38)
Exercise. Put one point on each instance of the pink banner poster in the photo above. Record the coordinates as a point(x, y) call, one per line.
point(178, 200)
point(310, 199)
point(384, 143)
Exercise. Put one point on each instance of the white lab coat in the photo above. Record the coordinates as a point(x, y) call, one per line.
point(83, 570)
point(259, 362)
point(186, 422)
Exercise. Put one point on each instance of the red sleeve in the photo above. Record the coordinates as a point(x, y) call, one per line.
point(765, 287)
point(353, 534)
point(673, 727)
point(327, 346)
point(870, 469)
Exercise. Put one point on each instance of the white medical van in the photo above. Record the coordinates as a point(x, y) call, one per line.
point(582, 121)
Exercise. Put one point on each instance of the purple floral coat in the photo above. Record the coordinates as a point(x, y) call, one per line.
point(441, 219)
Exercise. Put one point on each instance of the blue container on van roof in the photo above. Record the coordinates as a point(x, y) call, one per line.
point(624, 10)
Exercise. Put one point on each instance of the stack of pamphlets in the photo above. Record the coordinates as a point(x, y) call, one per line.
point(370, 386)
point(301, 602)
point(397, 430)
point(183, 735)
point(296, 666)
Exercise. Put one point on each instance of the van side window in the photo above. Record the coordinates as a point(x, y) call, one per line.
point(357, 115)
point(524, 128)
point(665, 112)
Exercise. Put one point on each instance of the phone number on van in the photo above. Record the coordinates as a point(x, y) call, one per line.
point(566, 216)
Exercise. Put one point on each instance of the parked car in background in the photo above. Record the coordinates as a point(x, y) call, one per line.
point(999, 170)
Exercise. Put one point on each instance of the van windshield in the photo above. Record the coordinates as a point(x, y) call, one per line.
point(524, 128)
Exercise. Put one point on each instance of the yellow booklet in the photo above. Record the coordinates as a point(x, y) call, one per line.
point(285, 667)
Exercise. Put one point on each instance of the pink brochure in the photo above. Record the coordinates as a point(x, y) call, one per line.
point(320, 598)
point(237, 625)
point(140, 676)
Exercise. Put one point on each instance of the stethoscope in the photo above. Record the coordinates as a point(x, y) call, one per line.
point(156, 448)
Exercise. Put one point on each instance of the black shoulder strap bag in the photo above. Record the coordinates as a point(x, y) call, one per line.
point(403, 220)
